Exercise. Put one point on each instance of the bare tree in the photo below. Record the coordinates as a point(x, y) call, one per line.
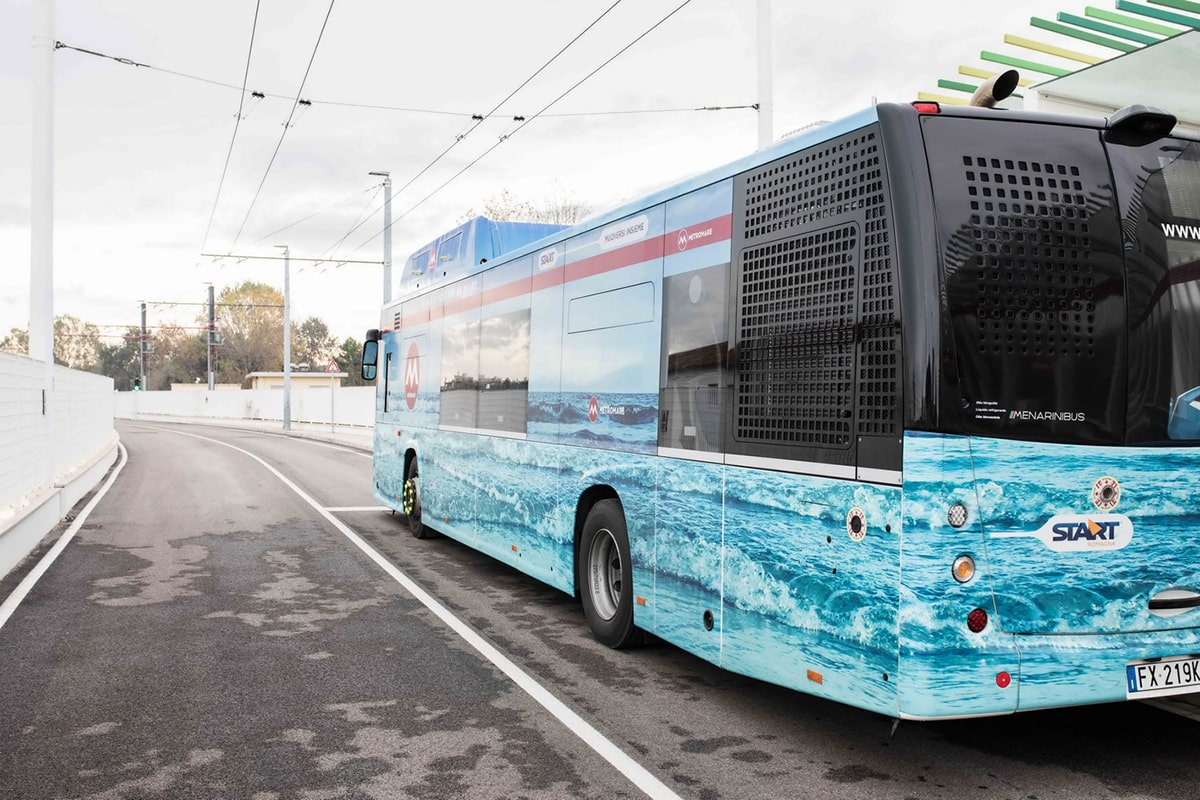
point(559, 207)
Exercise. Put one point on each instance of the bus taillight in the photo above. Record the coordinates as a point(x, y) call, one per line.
point(923, 107)
point(977, 620)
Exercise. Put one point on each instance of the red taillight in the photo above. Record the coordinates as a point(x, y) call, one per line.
point(1003, 680)
point(923, 107)
point(977, 620)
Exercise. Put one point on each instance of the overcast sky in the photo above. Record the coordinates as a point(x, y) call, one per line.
point(140, 150)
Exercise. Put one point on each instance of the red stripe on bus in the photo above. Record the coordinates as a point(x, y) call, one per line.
point(636, 253)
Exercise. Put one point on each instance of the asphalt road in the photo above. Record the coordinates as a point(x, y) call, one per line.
point(215, 631)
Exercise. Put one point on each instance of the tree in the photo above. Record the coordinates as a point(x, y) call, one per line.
point(76, 343)
point(16, 342)
point(313, 344)
point(249, 320)
point(179, 356)
point(349, 358)
point(559, 207)
point(120, 361)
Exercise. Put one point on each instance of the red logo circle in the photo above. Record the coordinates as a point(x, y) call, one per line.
point(412, 375)
point(593, 409)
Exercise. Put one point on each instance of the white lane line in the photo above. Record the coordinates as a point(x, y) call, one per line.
point(338, 509)
point(35, 574)
point(635, 772)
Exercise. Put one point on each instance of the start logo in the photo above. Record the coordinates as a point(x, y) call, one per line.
point(1071, 533)
point(412, 375)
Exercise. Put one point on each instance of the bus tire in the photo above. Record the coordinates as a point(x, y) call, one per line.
point(606, 575)
point(412, 502)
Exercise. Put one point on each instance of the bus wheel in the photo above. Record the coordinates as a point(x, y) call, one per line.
point(412, 502)
point(607, 575)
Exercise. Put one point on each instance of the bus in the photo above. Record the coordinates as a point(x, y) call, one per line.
point(902, 411)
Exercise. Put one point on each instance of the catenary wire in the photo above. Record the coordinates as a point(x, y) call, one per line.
point(379, 107)
point(236, 124)
point(477, 121)
point(525, 122)
point(286, 126)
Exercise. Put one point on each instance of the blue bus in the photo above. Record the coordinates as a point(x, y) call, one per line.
point(902, 411)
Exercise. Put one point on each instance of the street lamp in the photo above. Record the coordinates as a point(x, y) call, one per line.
point(387, 234)
point(287, 339)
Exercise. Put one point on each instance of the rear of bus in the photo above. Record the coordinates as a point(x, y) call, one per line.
point(1050, 280)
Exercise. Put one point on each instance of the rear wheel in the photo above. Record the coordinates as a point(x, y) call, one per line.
point(412, 502)
point(606, 575)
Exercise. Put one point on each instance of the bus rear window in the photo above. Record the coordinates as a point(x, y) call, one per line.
point(1034, 282)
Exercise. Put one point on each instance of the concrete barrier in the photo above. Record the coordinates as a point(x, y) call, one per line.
point(336, 406)
point(48, 461)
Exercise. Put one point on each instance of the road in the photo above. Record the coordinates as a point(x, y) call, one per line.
point(214, 630)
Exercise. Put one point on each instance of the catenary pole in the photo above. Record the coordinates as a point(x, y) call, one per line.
point(387, 235)
point(766, 106)
point(41, 250)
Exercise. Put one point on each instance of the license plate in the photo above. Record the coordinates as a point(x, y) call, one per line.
point(1164, 676)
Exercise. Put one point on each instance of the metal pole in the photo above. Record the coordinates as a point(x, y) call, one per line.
point(41, 263)
point(142, 350)
point(212, 337)
point(766, 123)
point(41, 250)
point(287, 338)
point(387, 235)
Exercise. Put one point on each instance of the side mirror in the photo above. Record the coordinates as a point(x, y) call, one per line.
point(370, 356)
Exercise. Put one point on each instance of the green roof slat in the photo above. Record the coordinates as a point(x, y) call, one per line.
point(1020, 63)
point(1086, 36)
point(1182, 5)
point(1133, 22)
point(957, 86)
point(1112, 30)
point(1158, 13)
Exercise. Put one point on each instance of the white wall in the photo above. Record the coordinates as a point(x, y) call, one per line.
point(349, 405)
point(46, 468)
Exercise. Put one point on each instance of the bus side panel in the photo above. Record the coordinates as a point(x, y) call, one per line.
point(689, 556)
point(945, 669)
point(612, 327)
point(810, 602)
point(515, 488)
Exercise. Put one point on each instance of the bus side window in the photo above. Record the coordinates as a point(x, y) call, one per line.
point(696, 351)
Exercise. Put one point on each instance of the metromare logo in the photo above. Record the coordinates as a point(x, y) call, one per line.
point(1072, 533)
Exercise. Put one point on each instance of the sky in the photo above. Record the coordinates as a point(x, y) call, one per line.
point(149, 175)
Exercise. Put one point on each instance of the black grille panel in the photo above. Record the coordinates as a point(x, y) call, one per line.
point(796, 358)
point(1030, 234)
point(817, 263)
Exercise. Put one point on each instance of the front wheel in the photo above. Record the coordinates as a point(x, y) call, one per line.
point(606, 575)
point(412, 502)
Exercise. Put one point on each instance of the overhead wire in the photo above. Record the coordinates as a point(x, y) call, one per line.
point(236, 124)
point(259, 95)
point(286, 126)
point(376, 189)
point(528, 120)
point(477, 121)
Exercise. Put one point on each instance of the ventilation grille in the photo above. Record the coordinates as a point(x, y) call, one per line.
point(1035, 286)
point(842, 177)
point(795, 360)
point(879, 335)
point(839, 177)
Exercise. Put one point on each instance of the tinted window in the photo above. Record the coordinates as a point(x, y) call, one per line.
point(1159, 188)
point(695, 332)
point(1033, 279)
